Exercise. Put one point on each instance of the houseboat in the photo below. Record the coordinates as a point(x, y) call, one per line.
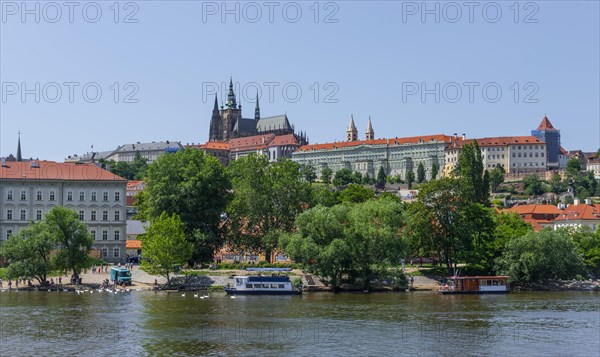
point(262, 285)
point(476, 285)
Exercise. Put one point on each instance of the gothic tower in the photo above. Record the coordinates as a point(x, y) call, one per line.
point(370, 134)
point(257, 109)
point(230, 114)
point(351, 132)
point(216, 133)
point(19, 158)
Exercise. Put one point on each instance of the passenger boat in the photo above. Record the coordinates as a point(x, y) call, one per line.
point(476, 285)
point(262, 285)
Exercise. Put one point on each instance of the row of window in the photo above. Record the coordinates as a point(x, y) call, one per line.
point(116, 252)
point(104, 235)
point(39, 196)
point(38, 215)
point(530, 154)
point(530, 164)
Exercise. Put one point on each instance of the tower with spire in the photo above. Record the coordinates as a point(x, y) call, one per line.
point(351, 132)
point(19, 157)
point(547, 133)
point(257, 109)
point(215, 131)
point(370, 134)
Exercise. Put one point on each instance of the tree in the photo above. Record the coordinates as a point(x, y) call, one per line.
point(381, 177)
point(410, 178)
point(357, 178)
point(195, 187)
point(267, 199)
point(496, 177)
point(533, 185)
point(165, 246)
point(573, 167)
point(343, 177)
point(470, 168)
point(71, 239)
point(420, 173)
point(326, 175)
point(557, 185)
point(356, 194)
point(308, 173)
point(589, 246)
point(434, 170)
point(508, 226)
point(29, 253)
point(324, 196)
point(540, 256)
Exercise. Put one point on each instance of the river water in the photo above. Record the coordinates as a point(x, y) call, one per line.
point(161, 323)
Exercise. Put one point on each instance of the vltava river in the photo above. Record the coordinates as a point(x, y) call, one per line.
point(149, 323)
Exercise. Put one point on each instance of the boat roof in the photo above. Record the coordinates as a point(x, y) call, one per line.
point(269, 269)
point(271, 279)
point(481, 277)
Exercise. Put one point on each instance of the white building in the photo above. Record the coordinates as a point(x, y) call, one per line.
point(594, 166)
point(150, 151)
point(514, 153)
point(30, 189)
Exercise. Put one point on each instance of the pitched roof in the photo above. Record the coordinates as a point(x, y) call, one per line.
point(133, 244)
point(132, 184)
point(215, 145)
point(136, 227)
point(251, 142)
point(535, 209)
point(545, 124)
point(50, 170)
point(499, 141)
point(160, 145)
point(245, 125)
point(394, 141)
point(579, 212)
point(273, 123)
point(288, 139)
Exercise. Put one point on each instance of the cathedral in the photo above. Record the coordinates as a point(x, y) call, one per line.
point(227, 122)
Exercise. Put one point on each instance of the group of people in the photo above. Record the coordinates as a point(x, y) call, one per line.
point(99, 269)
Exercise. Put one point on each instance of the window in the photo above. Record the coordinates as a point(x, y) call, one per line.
point(104, 252)
point(93, 234)
point(117, 235)
point(38, 215)
point(38, 196)
point(117, 196)
point(104, 235)
point(8, 214)
point(116, 252)
point(9, 195)
point(52, 195)
point(81, 215)
point(69, 196)
point(93, 198)
point(117, 215)
point(105, 215)
point(105, 196)
point(81, 196)
point(8, 233)
point(93, 216)
point(23, 195)
point(23, 215)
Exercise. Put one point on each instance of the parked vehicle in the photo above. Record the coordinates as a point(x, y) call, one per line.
point(120, 275)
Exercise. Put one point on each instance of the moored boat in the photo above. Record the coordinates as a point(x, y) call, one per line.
point(476, 285)
point(262, 285)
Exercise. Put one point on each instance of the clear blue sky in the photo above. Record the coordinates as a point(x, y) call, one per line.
point(373, 55)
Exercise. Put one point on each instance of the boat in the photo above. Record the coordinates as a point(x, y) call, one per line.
point(262, 285)
point(476, 285)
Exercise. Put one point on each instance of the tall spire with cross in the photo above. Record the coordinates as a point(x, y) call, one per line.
point(19, 158)
point(257, 109)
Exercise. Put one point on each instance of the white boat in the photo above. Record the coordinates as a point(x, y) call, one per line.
point(476, 285)
point(262, 285)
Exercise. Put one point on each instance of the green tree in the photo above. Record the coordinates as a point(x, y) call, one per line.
point(267, 199)
point(343, 177)
point(356, 193)
point(381, 178)
point(410, 178)
point(140, 166)
point(434, 170)
point(536, 257)
point(589, 246)
point(326, 174)
point(309, 173)
point(470, 168)
point(557, 185)
point(533, 185)
point(29, 253)
point(165, 246)
point(420, 173)
point(357, 178)
point(71, 238)
point(325, 196)
point(196, 187)
point(573, 167)
point(496, 177)
point(508, 226)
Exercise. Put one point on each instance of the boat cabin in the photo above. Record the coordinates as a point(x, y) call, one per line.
point(476, 285)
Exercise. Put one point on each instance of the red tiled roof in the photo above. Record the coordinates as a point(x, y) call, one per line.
point(215, 145)
point(133, 183)
point(50, 170)
point(288, 139)
point(500, 141)
point(251, 142)
point(394, 141)
point(545, 124)
point(579, 212)
point(133, 244)
point(535, 209)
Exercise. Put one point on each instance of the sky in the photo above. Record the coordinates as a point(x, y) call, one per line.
point(108, 73)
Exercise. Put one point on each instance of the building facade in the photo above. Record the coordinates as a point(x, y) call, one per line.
point(127, 152)
point(513, 153)
point(551, 136)
point(28, 190)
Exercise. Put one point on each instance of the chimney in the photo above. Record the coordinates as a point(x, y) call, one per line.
point(561, 206)
point(464, 136)
point(576, 202)
point(588, 201)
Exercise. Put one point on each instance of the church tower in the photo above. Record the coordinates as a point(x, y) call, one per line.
point(370, 134)
point(351, 132)
point(257, 109)
point(19, 158)
point(216, 133)
point(230, 114)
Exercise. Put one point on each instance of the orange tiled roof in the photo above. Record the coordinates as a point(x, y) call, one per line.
point(579, 212)
point(500, 141)
point(50, 170)
point(535, 209)
point(251, 142)
point(545, 124)
point(394, 141)
point(215, 145)
point(133, 183)
point(133, 244)
point(288, 139)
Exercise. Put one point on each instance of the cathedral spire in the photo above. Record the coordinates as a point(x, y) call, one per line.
point(351, 132)
point(231, 104)
point(370, 134)
point(216, 107)
point(257, 110)
point(19, 158)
